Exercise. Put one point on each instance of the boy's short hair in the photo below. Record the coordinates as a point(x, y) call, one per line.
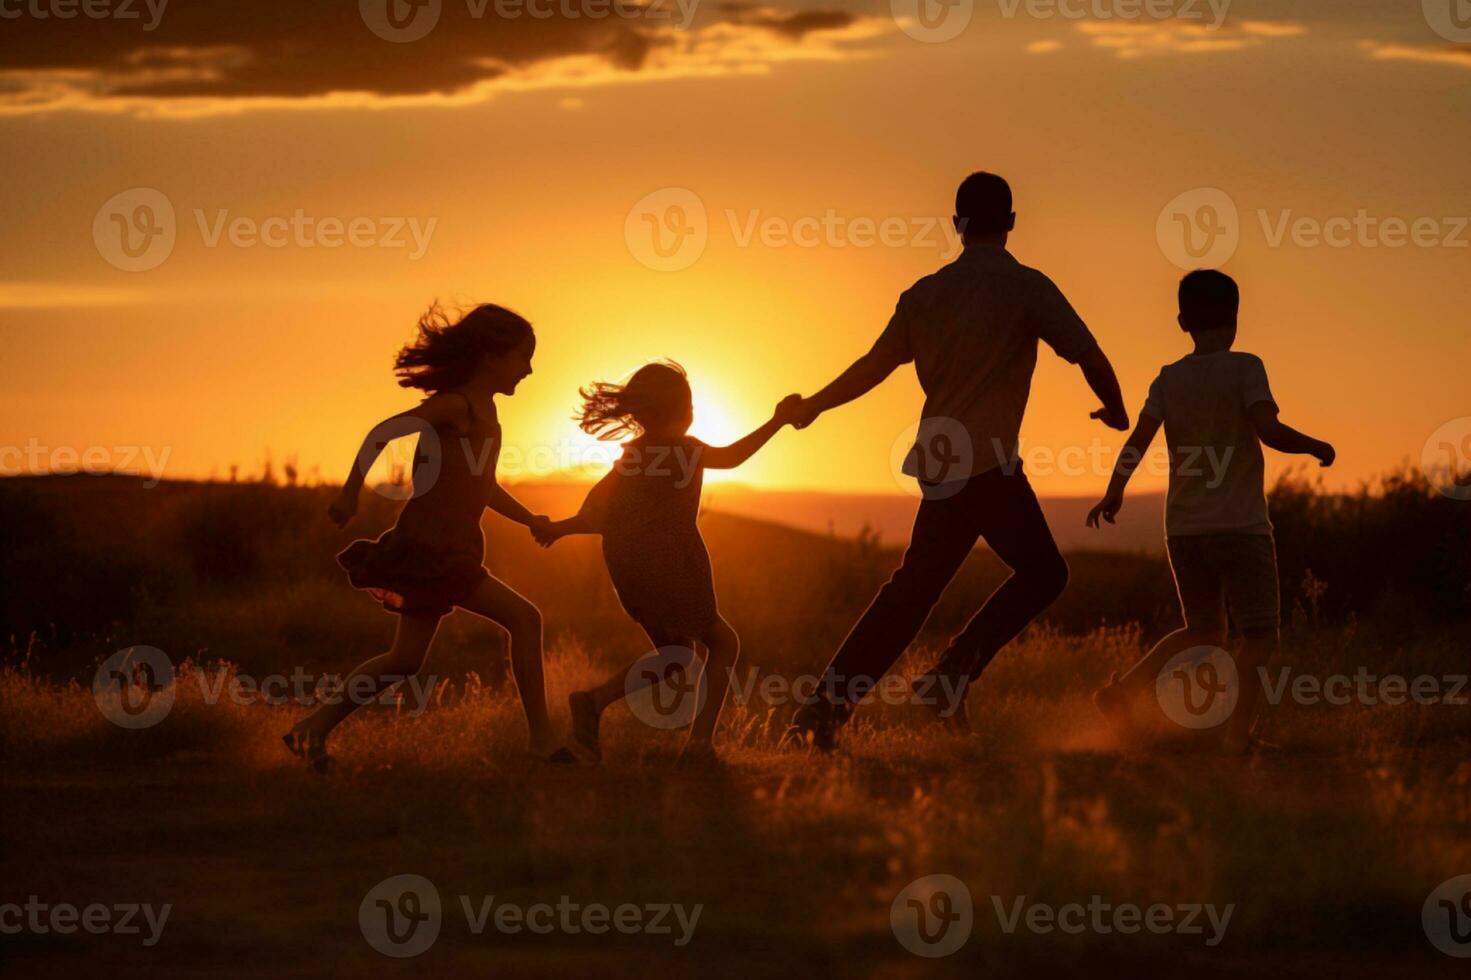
point(1208, 299)
point(983, 202)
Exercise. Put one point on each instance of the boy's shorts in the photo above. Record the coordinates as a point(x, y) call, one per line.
point(1219, 572)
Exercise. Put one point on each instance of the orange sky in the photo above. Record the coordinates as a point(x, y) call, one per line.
point(225, 352)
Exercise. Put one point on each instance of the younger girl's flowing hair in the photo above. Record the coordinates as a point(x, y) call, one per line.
point(447, 353)
point(655, 393)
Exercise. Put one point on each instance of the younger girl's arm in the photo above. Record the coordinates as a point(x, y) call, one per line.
point(588, 520)
point(729, 457)
point(432, 413)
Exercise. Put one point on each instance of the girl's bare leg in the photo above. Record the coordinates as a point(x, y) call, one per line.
point(587, 707)
point(498, 602)
point(411, 643)
point(723, 648)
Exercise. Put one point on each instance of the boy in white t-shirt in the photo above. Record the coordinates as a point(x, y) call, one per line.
point(1217, 412)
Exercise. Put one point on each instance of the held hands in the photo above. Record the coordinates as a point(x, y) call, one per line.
point(1108, 508)
point(1114, 418)
point(341, 510)
point(542, 530)
point(789, 411)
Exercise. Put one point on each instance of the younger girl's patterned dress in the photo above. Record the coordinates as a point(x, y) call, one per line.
point(431, 560)
point(648, 507)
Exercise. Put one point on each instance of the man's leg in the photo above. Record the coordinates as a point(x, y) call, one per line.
point(1012, 523)
point(945, 531)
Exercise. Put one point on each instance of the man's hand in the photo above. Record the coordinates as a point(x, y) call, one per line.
point(788, 410)
point(804, 413)
point(1325, 454)
point(341, 510)
point(1108, 508)
point(541, 529)
point(1114, 418)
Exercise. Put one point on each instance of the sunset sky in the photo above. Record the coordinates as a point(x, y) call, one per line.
point(520, 147)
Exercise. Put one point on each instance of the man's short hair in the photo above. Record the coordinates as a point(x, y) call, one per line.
point(1208, 299)
point(983, 201)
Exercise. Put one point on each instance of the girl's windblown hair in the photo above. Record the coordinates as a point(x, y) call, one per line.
point(656, 392)
point(446, 353)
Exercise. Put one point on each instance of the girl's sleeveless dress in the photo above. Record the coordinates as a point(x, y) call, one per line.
point(432, 559)
point(649, 507)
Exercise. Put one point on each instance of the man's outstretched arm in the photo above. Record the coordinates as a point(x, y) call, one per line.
point(861, 377)
point(1105, 384)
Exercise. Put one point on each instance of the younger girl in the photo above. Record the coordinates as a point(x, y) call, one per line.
point(646, 510)
point(431, 560)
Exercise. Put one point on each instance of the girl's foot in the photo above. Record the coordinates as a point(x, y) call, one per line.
point(585, 718)
point(306, 744)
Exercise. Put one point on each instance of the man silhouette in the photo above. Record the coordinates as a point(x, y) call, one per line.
point(971, 330)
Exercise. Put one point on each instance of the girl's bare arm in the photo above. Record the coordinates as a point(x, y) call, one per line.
point(432, 413)
point(729, 457)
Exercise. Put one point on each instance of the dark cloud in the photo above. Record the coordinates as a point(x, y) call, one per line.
point(304, 48)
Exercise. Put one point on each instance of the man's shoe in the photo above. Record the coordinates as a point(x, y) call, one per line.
point(814, 726)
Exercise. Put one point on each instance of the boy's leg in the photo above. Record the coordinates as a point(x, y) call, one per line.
point(1249, 566)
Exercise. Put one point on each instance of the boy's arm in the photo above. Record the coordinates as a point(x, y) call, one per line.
point(1129, 458)
point(1275, 434)
point(1099, 374)
point(729, 457)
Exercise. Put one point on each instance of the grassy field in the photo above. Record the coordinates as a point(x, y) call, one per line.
point(1324, 849)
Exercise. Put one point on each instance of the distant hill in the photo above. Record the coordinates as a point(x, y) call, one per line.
point(1140, 527)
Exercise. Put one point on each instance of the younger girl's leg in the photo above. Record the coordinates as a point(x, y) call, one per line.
point(411, 642)
point(498, 602)
point(587, 707)
point(723, 648)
